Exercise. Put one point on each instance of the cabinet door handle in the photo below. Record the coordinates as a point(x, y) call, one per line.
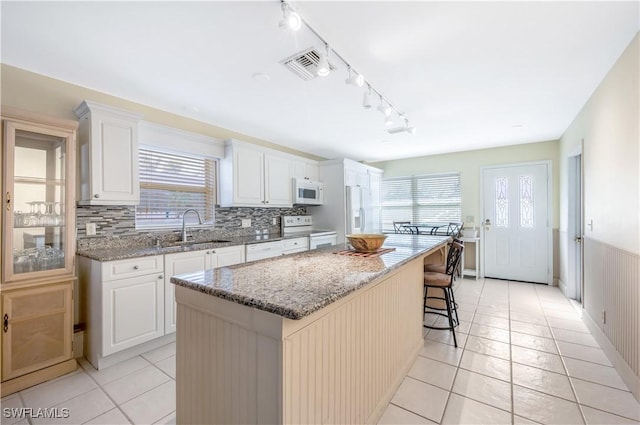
point(161, 277)
point(135, 267)
point(6, 323)
point(8, 201)
point(97, 195)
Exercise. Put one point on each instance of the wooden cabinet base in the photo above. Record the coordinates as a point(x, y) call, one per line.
point(34, 378)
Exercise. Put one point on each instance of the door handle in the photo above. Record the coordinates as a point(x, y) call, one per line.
point(487, 224)
point(578, 239)
point(6, 323)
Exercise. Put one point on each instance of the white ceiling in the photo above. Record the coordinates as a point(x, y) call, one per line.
point(467, 75)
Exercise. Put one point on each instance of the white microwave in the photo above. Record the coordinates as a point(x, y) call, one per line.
point(307, 192)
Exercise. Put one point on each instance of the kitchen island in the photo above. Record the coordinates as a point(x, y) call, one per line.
point(315, 337)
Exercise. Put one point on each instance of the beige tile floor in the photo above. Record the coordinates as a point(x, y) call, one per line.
point(523, 357)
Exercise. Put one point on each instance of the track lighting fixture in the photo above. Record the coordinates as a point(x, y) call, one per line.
point(293, 21)
point(388, 120)
point(355, 79)
point(405, 128)
point(290, 19)
point(385, 109)
point(323, 65)
point(366, 101)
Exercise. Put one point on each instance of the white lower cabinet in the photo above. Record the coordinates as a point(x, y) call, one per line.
point(124, 302)
point(130, 304)
point(291, 246)
point(263, 250)
point(133, 312)
point(191, 262)
point(228, 256)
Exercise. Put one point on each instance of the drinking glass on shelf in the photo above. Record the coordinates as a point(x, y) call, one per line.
point(17, 218)
point(31, 218)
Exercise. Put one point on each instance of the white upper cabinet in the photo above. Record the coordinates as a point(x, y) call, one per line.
point(254, 177)
point(107, 156)
point(306, 170)
point(248, 176)
point(277, 181)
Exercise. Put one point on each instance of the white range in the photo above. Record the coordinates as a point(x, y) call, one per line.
point(303, 225)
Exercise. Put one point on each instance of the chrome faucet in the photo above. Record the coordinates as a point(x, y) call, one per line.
point(184, 228)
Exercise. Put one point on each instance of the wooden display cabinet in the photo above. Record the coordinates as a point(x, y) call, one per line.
point(38, 248)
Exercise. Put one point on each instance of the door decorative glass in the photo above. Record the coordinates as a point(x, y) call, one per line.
point(502, 202)
point(526, 202)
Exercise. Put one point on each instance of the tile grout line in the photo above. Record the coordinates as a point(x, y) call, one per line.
point(24, 404)
point(564, 366)
point(455, 376)
point(106, 394)
point(513, 404)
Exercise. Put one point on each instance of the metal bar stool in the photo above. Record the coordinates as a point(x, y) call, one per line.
point(442, 268)
point(444, 282)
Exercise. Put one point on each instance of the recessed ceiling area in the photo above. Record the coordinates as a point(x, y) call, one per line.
point(467, 75)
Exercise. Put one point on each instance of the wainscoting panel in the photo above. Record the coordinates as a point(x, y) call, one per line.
point(611, 285)
point(344, 367)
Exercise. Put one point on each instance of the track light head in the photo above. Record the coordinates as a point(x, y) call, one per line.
point(366, 100)
point(388, 120)
point(355, 79)
point(323, 65)
point(403, 129)
point(385, 109)
point(290, 18)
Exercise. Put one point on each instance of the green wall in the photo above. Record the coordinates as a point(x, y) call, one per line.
point(468, 164)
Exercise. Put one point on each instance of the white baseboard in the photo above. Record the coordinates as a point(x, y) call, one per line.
point(626, 373)
point(563, 287)
point(102, 362)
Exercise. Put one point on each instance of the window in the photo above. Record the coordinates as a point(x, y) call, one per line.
point(171, 183)
point(421, 199)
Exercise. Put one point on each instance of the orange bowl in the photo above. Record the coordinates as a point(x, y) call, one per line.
point(366, 242)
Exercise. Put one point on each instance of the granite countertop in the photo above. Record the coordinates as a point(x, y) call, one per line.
point(120, 253)
point(295, 286)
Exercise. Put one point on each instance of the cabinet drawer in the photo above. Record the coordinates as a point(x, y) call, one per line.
point(132, 267)
point(296, 244)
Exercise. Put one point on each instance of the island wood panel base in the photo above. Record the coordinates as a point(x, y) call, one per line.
point(341, 364)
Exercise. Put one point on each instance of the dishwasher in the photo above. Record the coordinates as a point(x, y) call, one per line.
point(260, 251)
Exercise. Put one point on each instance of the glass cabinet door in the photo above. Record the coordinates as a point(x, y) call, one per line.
point(38, 208)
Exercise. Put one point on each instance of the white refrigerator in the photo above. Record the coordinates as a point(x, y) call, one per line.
point(360, 212)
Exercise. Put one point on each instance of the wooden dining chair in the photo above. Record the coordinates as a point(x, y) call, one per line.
point(443, 283)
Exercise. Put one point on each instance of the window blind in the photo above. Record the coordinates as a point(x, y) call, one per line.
point(431, 198)
point(172, 183)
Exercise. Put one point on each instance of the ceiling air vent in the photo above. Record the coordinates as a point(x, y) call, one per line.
point(305, 63)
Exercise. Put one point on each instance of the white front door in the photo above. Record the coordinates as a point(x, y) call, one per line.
point(516, 228)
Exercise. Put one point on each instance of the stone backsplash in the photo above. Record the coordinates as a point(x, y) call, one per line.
point(116, 227)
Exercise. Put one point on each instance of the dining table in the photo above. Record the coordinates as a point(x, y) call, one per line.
point(424, 228)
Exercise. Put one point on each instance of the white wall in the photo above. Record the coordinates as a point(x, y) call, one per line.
point(608, 124)
point(607, 129)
